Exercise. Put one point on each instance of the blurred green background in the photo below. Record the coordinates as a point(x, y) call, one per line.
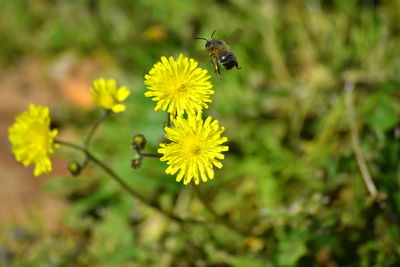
point(291, 176)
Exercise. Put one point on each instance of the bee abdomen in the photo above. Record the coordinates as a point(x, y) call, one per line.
point(227, 60)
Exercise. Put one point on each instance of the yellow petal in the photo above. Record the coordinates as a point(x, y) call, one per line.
point(118, 108)
point(122, 93)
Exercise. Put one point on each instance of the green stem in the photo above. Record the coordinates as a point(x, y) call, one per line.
point(150, 155)
point(124, 185)
point(168, 119)
point(361, 162)
point(355, 142)
point(103, 116)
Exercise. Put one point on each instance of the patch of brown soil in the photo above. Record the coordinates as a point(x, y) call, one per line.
point(35, 81)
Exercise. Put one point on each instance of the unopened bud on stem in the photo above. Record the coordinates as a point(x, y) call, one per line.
point(137, 161)
point(138, 142)
point(74, 168)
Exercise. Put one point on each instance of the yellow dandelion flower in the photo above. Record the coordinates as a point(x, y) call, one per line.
point(178, 86)
point(155, 33)
point(194, 149)
point(31, 138)
point(106, 94)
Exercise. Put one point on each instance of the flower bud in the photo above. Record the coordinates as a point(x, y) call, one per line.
point(137, 161)
point(74, 168)
point(138, 142)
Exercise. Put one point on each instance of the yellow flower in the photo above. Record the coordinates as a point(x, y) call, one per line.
point(107, 96)
point(31, 138)
point(194, 149)
point(178, 86)
point(155, 33)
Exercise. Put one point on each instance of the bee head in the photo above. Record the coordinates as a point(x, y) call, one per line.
point(209, 42)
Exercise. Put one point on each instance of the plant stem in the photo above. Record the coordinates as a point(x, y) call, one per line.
point(211, 210)
point(150, 155)
point(356, 142)
point(124, 185)
point(103, 116)
point(168, 122)
point(362, 165)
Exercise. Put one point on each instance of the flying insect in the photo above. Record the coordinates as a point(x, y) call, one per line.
point(220, 54)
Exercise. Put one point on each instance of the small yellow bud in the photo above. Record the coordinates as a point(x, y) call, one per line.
point(138, 142)
point(137, 161)
point(74, 168)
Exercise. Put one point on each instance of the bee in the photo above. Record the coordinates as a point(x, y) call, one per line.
point(220, 54)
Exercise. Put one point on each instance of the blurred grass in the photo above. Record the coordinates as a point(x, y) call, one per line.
point(290, 176)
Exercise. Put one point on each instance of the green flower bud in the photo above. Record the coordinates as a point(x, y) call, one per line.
point(138, 142)
point(137, 161)
point(74, 168)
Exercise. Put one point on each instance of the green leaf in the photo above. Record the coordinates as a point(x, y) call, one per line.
point(384, 115)
point(291, 248)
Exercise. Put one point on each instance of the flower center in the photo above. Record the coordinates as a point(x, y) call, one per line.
point(196, 150)
point(107, 101)
point(192, 147)
point(38, 135)
point(182, 88)
point(178, 88)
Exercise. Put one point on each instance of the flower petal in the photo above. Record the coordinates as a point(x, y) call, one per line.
point(194, 148)
point(118, 108)
point(122, 93)
point(179, 85)
point(107, 96)
point(32, 140)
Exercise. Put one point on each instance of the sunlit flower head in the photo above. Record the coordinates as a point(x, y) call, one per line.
point(155, 33)
point(108, 96)
point(178, 86)
point(194, 149)
point(32, 140)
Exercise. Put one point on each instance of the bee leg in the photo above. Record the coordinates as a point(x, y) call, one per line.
point(215, 66)
point(237, 66)
point(218, 70)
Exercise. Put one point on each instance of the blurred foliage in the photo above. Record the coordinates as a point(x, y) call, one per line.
point(290, 177)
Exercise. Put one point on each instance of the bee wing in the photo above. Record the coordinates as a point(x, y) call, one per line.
point(234, 36)
point(200, 55)
point(215, 66)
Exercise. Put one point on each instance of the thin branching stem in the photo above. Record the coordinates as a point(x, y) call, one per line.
point(150, 155)
point(124, 185)
point(362, 165)
point(103, 116)
point(355, 142)
point(168, 122)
